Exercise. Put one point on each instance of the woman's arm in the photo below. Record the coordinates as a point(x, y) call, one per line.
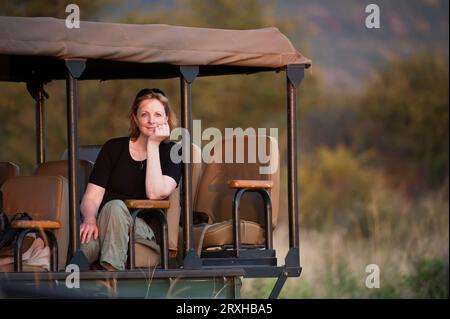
point(157, 185)
point(89, 207)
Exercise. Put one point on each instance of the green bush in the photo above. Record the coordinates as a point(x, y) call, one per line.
point(430, 279)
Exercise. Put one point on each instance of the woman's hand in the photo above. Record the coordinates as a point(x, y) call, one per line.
point(162, 131)
point(88, 230)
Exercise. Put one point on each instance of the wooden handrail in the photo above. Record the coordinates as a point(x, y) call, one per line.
point(44, 224)
point(147, 203)
point(249, 183)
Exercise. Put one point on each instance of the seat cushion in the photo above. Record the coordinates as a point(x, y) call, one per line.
point(146, 256)
point(25, 268)
point(220, 234)
point(43, 198)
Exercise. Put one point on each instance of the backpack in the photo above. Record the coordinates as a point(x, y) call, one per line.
point(7, 233)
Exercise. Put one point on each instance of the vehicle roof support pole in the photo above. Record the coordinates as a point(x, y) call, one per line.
point(36, 90)
point(295, 73)
point(74, 70)
point(187, 76)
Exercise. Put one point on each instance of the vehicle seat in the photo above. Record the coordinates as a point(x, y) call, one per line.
point(8, 170)
point(43, 198)
point(215, 198)
point(85, 152)
point(55, 168)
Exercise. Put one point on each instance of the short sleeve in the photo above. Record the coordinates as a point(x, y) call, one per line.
point(103, 166)
point(168, 167)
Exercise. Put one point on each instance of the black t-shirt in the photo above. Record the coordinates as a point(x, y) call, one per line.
point(123, 177)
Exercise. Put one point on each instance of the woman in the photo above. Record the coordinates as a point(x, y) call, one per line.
point(133, 167)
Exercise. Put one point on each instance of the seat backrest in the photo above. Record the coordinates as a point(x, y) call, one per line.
point(55, 168)
point(85, 152)
point(43, 198)
point(173, 213)
point(8, 170)
point(214, 196)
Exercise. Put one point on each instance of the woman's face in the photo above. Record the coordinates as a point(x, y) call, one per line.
point(150, 115)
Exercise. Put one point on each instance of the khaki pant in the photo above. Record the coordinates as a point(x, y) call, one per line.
point(114, 223)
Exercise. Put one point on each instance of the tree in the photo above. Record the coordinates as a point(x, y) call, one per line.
point(405, 116)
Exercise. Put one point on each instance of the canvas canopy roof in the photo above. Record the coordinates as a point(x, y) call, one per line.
point(37, 47)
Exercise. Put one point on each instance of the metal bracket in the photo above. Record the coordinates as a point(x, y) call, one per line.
point(33, 88)
point(80, 260)
point(278, 285)
point(76, 67)
point(189, 72)
point(295, 73)
point(292, 259)
point(192, 261)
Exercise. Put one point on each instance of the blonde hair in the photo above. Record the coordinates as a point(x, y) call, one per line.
point(148, 94)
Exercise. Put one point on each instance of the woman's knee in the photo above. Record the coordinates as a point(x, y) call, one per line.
point(91, 250)
point(115, 209)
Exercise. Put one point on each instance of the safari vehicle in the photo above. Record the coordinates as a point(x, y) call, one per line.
point(207, 260)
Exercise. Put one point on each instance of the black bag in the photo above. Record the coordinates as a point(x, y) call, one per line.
point(4, 222)
point(7, 233)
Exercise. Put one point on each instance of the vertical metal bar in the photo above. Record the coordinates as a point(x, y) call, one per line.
point(267, 218)
point(132, 241)
point(72, 136)
point(186, 122)
point(40, 126)
point(53, 250)
point(237, 221)
point(188, 74)
point(74, 69)
point(18, 249)
point(295, 74)
point(164, 240)
point(292, 164)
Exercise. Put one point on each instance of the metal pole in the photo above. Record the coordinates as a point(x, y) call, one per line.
point(72, 136)
point(295, 73)
point(74, 70)
point(187, 167)
point(292, 165)
point(188, 74)
point(40, 126)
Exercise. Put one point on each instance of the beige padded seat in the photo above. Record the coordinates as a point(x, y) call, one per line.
point(146, 256)
point(8, 170)
point(215, 198)
point(55, 168)
point(43, 198)
point(219, 234)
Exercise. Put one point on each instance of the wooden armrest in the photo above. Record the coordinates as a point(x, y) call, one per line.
point(44, 224)
point(249, 183)
point(147, 203)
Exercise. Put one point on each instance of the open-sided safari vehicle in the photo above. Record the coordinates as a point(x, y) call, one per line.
point(238, 202)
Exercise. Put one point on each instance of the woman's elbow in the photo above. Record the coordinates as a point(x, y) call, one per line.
point(161, 192)
point(155, 196)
